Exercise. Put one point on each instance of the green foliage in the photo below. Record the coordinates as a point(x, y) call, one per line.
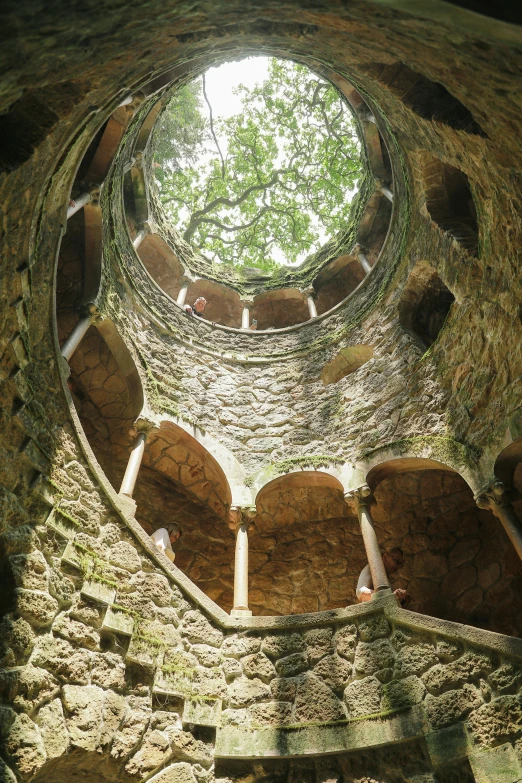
point(266, 184)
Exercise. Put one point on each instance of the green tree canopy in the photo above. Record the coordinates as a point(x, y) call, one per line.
point(264, 186)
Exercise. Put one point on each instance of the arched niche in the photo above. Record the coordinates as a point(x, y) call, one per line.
point(278, 309)
point(223, 303)
point(161, 264)
point(336, 281)
point(458, 561)
point(106, 390)
point(425, 304)
point(181, 483)
point(306, 551)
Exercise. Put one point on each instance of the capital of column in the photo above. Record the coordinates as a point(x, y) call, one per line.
point(240, 516)
point(361, 495)
point(142, 425)
point(90, 310)
point(493, 495)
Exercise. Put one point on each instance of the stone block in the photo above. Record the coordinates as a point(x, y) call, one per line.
point(316, 702)
point(373, 627)
point(319, 642)
point(196, 628)
point(451, 707)
point(118, 621)
point(415, 659)
point(66, 662)
point(403, 693)
point(292, 665)
point(244, 692)
point(497, 765)
point(237, 646)
point(202, 713)
point(187, 748)
point(272, 713)
point(124, 555)
point(38, 608)
point(363, 697)
point(30, 571)
point(23, 744)
point(206, 655)
point(154, 586)
point(501, 718)
point(448, 745)
point(175, 773)
point(61, 524)
point(334, 671)
point(53, 729)
point(76, 632)
point(258, 665)
point(282, 645)
point(153, 753)
point(135, 720)
point(506, 678)
point(84, 705)
point(99, 592)
point(370, 657)
point(108, 671)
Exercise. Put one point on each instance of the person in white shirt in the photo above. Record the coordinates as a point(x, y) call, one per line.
point(393, 559)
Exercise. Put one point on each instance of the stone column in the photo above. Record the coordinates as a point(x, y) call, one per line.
point(367, 267)
point(126, 101)
point(78, 333)
point(385, 190)
point(495, 497)
point(140, 236)
point(373, 553)
point(143, 426)
point(182, 295)
point(310, 301)
point(78, 203)
point(240, 520)
point(245, 315)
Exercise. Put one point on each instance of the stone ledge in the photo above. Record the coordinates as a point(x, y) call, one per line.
point(291, 742)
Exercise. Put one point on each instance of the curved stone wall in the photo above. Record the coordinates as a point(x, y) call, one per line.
point(116, 666)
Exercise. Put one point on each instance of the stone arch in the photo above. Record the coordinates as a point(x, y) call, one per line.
point(459, 563)
point(507, 464)
point(161, 264)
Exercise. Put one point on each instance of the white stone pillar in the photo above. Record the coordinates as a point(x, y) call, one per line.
point(78, 203)
point(310, 301)
point(182, 295)
point(495, 498)
point(240, 520)
point(78, 333)
point(245, 317)
point(133, 466)
point(140, 236)
point(367, 267)
point(371, 545)
point(126, 101)
point(385, 190)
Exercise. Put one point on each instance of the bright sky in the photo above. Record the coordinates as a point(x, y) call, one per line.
point(222, 80)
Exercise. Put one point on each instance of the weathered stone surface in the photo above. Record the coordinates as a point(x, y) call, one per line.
point(153, 586)
point(415, 659)
point(373, 627)
point(61, 587)
point(506, 678)
point(284, 689)
point(292, 665)
point(84, 705)
point(497, 720)
point(197, 629)
point(28, 687)
point(30, 571)
point(334, 671)
point(237, 646)
point(468, 667)
point(154, 751)
point(345, 641)
point(54, 732)
point(281, 645)
point(114, 707)
point(77, 632)
point(135, 721)
point(244, 691)
point(363, 697)
point(402, 693)
point(231, 668)
point(372, 656)
point(123, 555)
point(108, 671)
point(451, 707)
point(258, 665)
point(38, 608)
point(273, 713)
point(65, 661)
point(315, 702)
point(175, 773)
point(206, 655)
point(186, 748)
point(24, 745)
point(318, 643)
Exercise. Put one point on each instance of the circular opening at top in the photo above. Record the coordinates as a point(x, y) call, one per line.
point(256, 163)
